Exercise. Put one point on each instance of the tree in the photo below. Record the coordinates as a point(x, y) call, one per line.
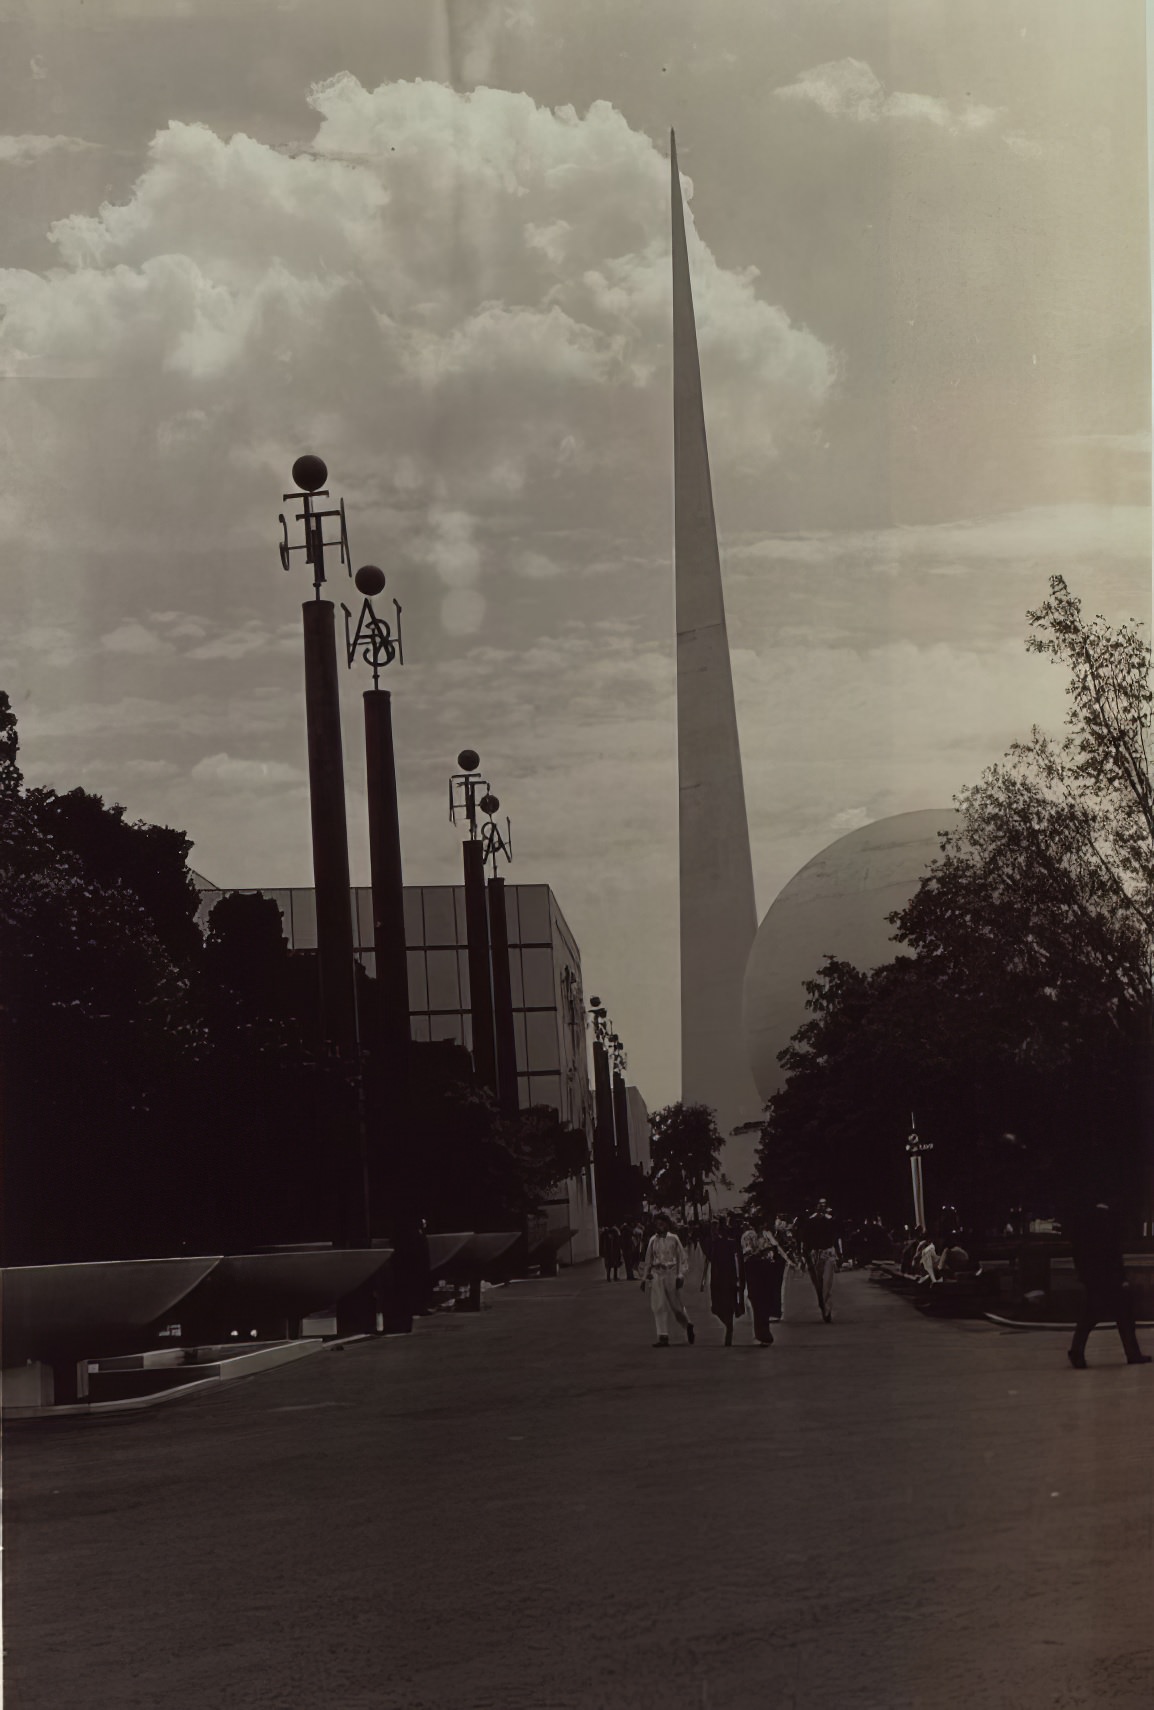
point(95, 1035)
point(685, 1146)
point(1018, 1024)
point(168, 1090)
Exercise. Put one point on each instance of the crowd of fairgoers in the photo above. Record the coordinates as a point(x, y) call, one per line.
point(747, 1261)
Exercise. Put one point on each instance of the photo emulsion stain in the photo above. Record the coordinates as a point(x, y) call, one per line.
point(576, 855)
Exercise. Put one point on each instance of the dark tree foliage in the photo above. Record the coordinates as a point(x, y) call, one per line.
point(166, 1090)
point(685, 1149)
point(1017, 1027)
point(97, 1032)
point(462, 1165)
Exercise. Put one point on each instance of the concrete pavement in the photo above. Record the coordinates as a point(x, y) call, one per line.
point(534, 1510)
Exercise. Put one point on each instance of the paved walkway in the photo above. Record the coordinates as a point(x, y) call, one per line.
point(533, 1510)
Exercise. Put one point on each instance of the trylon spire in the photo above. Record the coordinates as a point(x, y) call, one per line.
point(718, 910)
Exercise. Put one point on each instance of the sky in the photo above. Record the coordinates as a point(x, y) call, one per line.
point(430, 242)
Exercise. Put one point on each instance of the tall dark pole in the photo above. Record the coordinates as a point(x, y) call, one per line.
point(342, 1098)
point(468, 791)
point(480, 987)
point(393, 1195)
point(604, 1127)
point(621, 1120)
point(388, 889)
point(507, 1088)
point(329, 828)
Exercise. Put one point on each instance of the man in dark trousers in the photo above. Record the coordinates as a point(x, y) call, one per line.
point(820, 1237)
point(1100, 1264)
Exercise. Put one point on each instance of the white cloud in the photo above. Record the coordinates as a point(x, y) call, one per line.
point(22, 150)
point(250, 637)
point(537, 567)
point(134, 637)
point(234, 773)
point(462, 611)
point(851, 89)
point(1055, 532)
point(461, 300)
point(849, 819)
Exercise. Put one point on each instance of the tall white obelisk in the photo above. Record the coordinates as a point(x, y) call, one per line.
point(718, 911)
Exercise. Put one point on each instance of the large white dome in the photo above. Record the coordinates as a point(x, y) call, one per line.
point(835, 906)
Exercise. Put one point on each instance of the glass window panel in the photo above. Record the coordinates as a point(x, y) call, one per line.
point(459, 907)
point(440, 922)
point(363, 919)
point(467, 1030)
point(418, 987)
point(541, 1038)
point(519, 1032)
point(512, 913)
point(304, 920)
point(545, 1089)
point(414, 921)
point(523, 1092)
point(368, 961)
point(446, 1027)
point(419, 1028)
point(533, 904)
point(444, 990)
point(538, 975)
point(463, 975)
point(515, 979)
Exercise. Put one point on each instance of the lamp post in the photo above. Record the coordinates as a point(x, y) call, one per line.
point(496, 846)
point(604, 1124)
point(373, 641)
point(343, 1117)
point(463, 797)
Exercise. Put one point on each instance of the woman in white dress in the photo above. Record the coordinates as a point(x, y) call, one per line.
point(666, 1264)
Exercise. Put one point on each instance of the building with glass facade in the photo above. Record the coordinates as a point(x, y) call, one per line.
point(548, 1000)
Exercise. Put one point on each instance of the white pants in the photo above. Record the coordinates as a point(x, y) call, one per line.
point(663, 1301)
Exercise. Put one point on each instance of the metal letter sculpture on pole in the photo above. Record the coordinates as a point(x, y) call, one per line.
point(344, 1114)
point(465, 784)
point(718, 911)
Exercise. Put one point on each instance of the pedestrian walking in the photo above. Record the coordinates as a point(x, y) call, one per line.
point(724, 1271)
point(820, 1238)
point(666, 1264)
point(783, 1231)
point(1101, 1266)
point(630, 1251)
point(611, 1252)
point(764, 1261)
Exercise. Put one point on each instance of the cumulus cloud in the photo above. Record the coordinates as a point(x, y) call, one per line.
point(851, 89)
point(462, 300)
point(22, 150)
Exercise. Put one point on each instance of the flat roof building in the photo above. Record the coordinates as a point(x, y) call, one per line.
point(548, 999)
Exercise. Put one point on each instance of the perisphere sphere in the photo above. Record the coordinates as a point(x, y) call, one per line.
point(468, 759)
point(369, 580)
point(489, 804)
point(310, 473)
point(835, 906)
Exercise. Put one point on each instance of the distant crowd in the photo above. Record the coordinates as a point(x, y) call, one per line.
point(745, 1259)
point(748, 1258)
